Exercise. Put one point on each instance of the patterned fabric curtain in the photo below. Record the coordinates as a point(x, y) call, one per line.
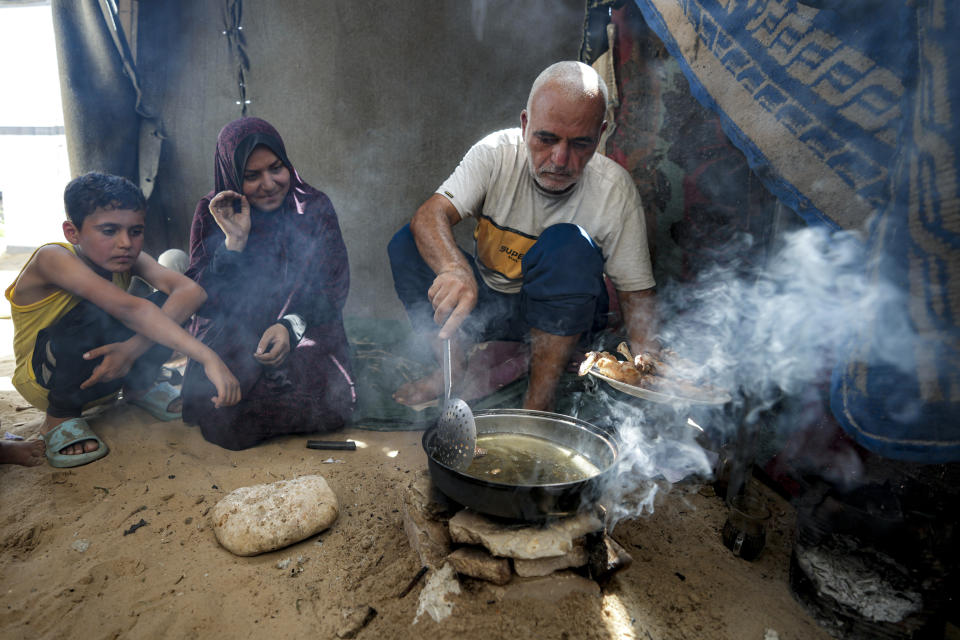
point(848, 112)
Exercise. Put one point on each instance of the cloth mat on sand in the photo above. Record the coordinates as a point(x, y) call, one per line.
point(386, 354)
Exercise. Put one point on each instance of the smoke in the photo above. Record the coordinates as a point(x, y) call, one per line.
point(766, 331)
point(778, 327)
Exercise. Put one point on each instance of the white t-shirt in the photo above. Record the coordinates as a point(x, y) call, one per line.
point(493, 184)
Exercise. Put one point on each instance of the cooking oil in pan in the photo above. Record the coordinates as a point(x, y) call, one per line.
point(519, 459)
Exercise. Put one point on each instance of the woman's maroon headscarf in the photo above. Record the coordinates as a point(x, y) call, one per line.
point(295, 260)
point(236, 142)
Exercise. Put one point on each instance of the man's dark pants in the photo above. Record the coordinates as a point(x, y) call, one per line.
point(563, 290)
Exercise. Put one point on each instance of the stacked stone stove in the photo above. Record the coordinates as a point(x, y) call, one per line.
point(546, 560)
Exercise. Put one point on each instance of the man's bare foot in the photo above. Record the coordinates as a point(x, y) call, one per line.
point(430, 387)
point(84, 446)
point(420, 391)
point(26, 453)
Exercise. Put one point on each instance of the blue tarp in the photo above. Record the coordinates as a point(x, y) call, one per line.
point(849, 111)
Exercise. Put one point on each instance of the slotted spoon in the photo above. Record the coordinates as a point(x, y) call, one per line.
point(456, 440)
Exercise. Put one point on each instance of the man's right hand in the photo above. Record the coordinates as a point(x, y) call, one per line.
point(453, 295)
point(234, 224)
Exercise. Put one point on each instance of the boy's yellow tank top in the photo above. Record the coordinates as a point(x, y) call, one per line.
point(29, 319)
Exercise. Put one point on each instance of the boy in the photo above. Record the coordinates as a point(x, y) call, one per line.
point(79, 337)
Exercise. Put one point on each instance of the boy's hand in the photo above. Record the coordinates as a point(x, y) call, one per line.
point(274, 346)
point(118, 358)
point(228, 389)
point(234, 224)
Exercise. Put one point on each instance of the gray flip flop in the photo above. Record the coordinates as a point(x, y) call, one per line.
point(67, 433)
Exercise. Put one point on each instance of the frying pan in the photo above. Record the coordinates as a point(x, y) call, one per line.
point(529, 502)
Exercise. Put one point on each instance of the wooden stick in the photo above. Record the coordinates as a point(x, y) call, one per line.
point(413, 582)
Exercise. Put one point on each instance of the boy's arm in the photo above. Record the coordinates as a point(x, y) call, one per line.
point(60, 268)
point(184, 297)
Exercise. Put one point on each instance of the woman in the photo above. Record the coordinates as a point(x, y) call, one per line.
point(267, 248)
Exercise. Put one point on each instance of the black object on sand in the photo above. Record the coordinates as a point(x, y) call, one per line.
point(346, 445)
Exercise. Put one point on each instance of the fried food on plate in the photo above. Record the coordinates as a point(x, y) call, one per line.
point(651, 373)
point(608, 365)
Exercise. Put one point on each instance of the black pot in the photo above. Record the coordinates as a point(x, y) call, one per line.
point(538, 502)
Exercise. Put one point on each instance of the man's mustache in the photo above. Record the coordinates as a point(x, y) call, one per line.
point(555, 170)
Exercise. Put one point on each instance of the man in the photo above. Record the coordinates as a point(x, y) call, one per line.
point(552, 217)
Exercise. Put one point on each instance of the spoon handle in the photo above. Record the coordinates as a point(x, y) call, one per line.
point(447, 376)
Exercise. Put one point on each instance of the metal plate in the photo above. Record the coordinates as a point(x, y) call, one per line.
point(706, 397)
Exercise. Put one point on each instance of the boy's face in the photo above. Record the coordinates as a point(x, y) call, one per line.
point(110, 239)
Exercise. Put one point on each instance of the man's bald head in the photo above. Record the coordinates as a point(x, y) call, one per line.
point(562, 123)
point(574, 81)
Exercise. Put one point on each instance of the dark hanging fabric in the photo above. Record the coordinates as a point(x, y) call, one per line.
point(99, 103)
point(108, 127)
point(595, 20)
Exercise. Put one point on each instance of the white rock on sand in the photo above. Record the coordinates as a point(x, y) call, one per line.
point(265, 517)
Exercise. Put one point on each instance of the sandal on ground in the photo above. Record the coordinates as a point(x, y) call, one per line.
point(67, 433)
point(173, 375)
point(156, 400)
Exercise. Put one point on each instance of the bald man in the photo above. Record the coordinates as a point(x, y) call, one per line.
point(551, 218)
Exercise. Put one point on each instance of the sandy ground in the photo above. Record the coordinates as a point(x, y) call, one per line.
point(71, 566)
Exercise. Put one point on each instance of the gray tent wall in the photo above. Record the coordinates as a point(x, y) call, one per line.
point(376, 101)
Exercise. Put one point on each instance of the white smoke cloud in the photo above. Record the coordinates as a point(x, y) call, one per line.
point(764, 331)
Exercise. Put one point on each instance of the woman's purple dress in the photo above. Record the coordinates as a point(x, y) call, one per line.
point(295, 262)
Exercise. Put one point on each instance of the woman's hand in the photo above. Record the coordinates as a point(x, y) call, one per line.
point(234, 224)
point(118, 358)
point(274, 346)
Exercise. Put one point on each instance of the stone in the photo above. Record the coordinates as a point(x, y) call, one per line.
point(436, 597)
point(266, 517)
point(355, 619)
point(478, 563)
point(527, 542)
point(576, 557)
point(605, 556)
point(80, 545)
point(429, 538)
point(550, 588)
point(428, 500)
